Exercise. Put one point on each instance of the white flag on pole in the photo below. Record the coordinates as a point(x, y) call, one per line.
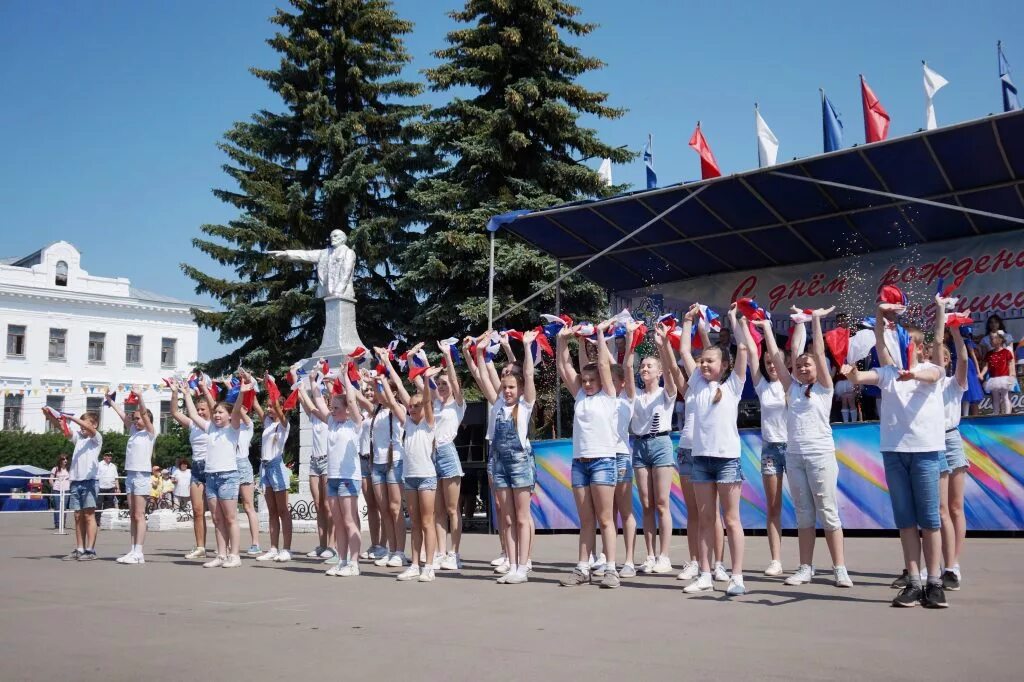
point(767, 143)
point(933, 82)
point(605, 171)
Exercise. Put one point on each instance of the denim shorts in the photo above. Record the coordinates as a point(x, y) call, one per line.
point(318, 466)
point(594, 471)
point(716, 470)
point(685, 461)
point(913, 480)
point(490, 466)
point(380, 474)
point(421, 483)
point(446, 461)
point(245, 473)
point(222, 485)
point(956, 458)
point(198, 472)
point(514, 471)
point(275, 475)
point(773, 459)
point(138, 482)
point(652, 452)
point(343, 487)
point(623, 468)
point(82, 495)
point(365, 466)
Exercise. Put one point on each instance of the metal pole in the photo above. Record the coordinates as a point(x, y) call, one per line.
point(60, 523)
point(558, 379)
point(490, 289)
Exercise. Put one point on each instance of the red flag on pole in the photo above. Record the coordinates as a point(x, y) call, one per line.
point(876, 118)
point(708, 165)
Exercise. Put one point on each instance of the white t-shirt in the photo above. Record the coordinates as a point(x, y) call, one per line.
point(139, 452)
point(773, 410)
point(364, 436)
point(273, 438)
point(808, 420)
point(652, 412)
point(182, 480)
point(447, 418)
point(522, 419)
point(198, 439)
point(594, 432)
point(245, 436)
point(686, 435)
point(952, 398)
point(107, 475)
point(86, 458)
point(386, 429)
point(714, 427)
point(343, 449)
point(624, 417)
point(221, 449)
point(419, 449)
point(319, 440)
point(912, 413)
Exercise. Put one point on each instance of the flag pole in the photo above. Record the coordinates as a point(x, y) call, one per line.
point(490, 290)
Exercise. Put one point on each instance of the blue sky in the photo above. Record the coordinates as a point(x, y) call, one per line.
point(112, 110)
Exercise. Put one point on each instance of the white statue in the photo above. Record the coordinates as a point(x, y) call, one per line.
point(335, 266)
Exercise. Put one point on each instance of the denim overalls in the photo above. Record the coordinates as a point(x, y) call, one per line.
point(513, 463)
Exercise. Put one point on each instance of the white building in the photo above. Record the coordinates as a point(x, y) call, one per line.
point(71, 336)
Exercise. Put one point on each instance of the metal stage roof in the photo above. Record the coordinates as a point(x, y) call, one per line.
point(789, 213)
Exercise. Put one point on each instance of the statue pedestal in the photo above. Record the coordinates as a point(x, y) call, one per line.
point(340, 334)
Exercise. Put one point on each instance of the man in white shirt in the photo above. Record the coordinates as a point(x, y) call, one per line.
point(107, 479)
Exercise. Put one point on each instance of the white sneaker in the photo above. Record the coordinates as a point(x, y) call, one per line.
point(315, 554)
point(517, 577)
point(502, 569)
point(335, 570)
point(774, 568)
point(842, 577)
point(411, 573)
point(500, 560)
point(529, 565)
point(720, 575)
point(136, 558)
point(736, 587)
point(378, 552)
point(627, 571)
point(503, 579)
point(426, 575)
point(451, 562)
point(648, 565)
point(597, 561)
point(328, 553)
point(691, 569)
point(124, 559)
point(365, 554)
point(804, 574)
point(216, 562)
point(397, 560)
point(598, 569)
point(269, 555)
point(233, 561)
point(349, 570)
point(436, 563)
point(662, 565)
point(283, 556)
point(197, 553)
point(703, 583)
point(383, 561)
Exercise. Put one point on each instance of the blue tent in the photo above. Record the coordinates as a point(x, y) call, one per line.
point(13, 476)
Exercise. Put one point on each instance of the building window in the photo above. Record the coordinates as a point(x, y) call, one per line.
point(133, 351)
point(167, 348)
point(62, 274)
point(97, 343)
point(55, 402)
point(94, 405)
point(15, 341)
point(58, 344)
point(12, 412)
point(165, 416)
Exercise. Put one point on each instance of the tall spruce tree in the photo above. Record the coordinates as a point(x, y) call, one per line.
point(343, 154)
point(515, 144)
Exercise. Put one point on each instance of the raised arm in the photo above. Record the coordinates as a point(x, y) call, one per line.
point(304, 395)
point(884, 358)
point(451, 374)
point(50, 418)
point(479, 374)
point(668, 361)
point(314, 405)
point(428, 397)
point(740, 366)
point(798, 343)
point(629, 362)
point(353, 407)
point(564, 361)
point(702, 332)
point(176, 414)
point(388, 398)
point(236, 410)
point(685, 343)
point(604, 360)
point(118, 411)
point(818, 344)
point(385, 358)
point(529, 388)
point(961, 358)
point(190, 407)
point(858, 377)
point(147, 424)
point(87, 430)
point(778, 358)
point(507, 347)
point(747, 339)
point(487, 369)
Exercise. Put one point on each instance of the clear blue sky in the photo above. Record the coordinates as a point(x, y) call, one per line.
point(111, 110)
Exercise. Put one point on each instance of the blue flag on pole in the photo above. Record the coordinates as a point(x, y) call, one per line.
point(652, 177)
point(1010, 101)
point(831, 126)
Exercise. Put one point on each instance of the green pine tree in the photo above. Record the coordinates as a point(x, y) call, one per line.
point(515, 144)
point(344, 153)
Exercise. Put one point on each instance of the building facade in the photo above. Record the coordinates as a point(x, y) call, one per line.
point(70, 337)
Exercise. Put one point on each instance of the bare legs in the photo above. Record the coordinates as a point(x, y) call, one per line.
point(424, 534)
point(373, 520)
point(624, 510)
point(446, 513)
point(137, 507)
point(318, 489)
point(280, 518)
point(773, 501)
point(344, 516)
point(246, 492)
point(389, 502)
point(197, 492)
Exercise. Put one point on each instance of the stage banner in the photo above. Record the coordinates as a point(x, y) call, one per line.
point(994, 493)
point(992, 268)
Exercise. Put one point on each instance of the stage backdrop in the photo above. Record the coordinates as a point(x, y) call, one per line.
point(994, 496)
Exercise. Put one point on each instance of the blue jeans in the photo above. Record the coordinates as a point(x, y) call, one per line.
point(624, 468)
point(380, 474)
point(594, 471)
point(421, 483)
point(343, 487)
point(685, 461)
point(446, 461)
point(773, 459)
point(82, 495)
point(716, 470)
point(652, 452)
point(913, 480)
point(222, 485)
point(275, 475)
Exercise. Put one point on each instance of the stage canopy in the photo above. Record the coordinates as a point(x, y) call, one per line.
point(868, 198)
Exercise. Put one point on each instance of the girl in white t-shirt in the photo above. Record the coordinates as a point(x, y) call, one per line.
point(449, 410)
point(593, 449)
point(625, 390)
point(716, 449)
point(343, 420)
point(771, 393)
point(247, 481)
point(364, 397)
point(138, 464)
point(387, 434)
point(318, 474)
point(812, 468)
point(275, 477)
point(197, 439)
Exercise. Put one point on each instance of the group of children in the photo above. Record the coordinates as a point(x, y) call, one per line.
point(371, 436)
